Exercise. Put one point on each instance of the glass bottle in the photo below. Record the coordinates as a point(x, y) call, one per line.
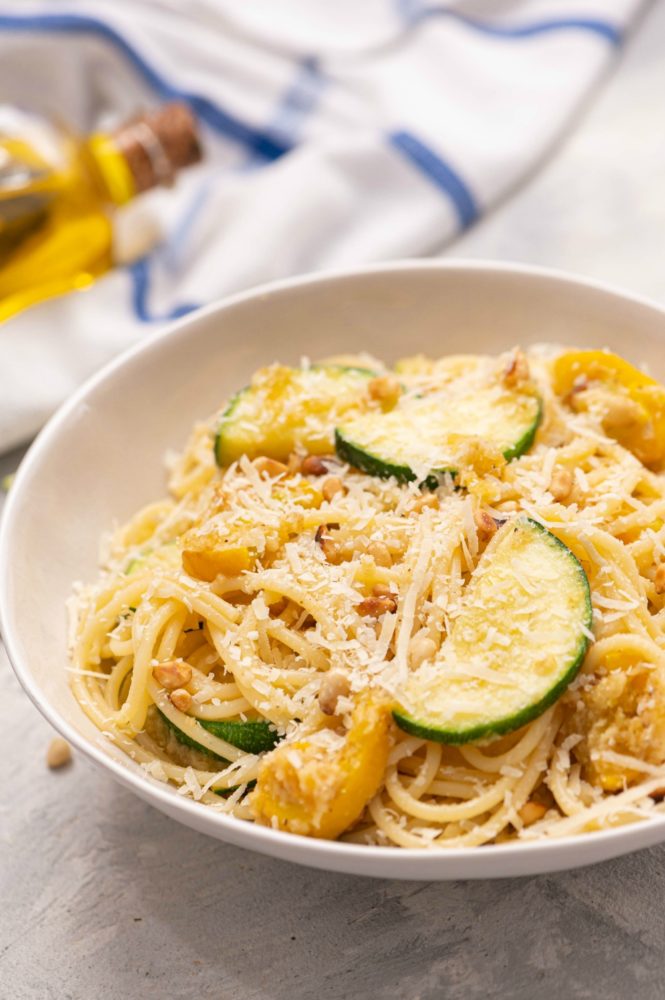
point(59, 193)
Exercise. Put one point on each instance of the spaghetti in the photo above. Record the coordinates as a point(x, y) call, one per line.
point(355, 580)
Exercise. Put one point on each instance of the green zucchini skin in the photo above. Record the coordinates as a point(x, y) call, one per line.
point(350, 453)
point(486, 731)
point(383, 468)
point(226, 417)
point(524, 443)
point(492, 730)
point(253, 736)
point(225, 792)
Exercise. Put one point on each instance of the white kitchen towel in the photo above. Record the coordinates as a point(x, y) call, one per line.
point(336, 134)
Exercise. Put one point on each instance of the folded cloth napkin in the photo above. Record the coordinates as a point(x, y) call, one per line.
point(336, 134)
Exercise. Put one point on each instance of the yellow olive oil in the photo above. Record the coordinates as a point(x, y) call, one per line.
point(59, 192)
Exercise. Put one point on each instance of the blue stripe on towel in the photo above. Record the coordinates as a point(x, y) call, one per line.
point(298, 101)
point(259, 142)
point(415, 11)
point(139, 273)
point(440, 173)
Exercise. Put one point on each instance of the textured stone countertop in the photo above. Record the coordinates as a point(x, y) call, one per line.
point(103, 898)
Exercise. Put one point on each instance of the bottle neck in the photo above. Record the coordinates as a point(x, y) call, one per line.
point(145, 152)
point(112, 169)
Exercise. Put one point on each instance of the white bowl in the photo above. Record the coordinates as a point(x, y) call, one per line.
point(101, 457)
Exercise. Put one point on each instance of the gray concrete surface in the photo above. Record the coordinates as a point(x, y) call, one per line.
point(102, 898)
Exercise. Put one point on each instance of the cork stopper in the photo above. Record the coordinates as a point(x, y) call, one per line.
point(158, 144)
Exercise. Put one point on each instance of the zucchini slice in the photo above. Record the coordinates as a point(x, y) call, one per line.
point(252, 736)
point(518, 642)
point(284, 407)
point(424, 437)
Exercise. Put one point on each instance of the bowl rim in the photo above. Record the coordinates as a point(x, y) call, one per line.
point(249, 835)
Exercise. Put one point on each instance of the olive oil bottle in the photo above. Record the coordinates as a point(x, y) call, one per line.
point(59, 192)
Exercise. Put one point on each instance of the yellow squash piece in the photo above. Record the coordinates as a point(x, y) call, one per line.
point(308, 788)
point(229, 537)
point(208, 562)
point(630, 404)
point(622, 715)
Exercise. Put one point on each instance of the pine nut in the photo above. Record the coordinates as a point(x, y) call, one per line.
point(421, 648)
point(380, 553)
point(270, 467)
point(333, 687)
point(331, 550)
point(58, 754)
point(173, 674)
point(331, 487)
point(313, 466)
point(182, 699)
point(375, 606)
point(531, 812)
point(425, 500)
point(561, 483)
point(485, 524)
point(621, 414)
